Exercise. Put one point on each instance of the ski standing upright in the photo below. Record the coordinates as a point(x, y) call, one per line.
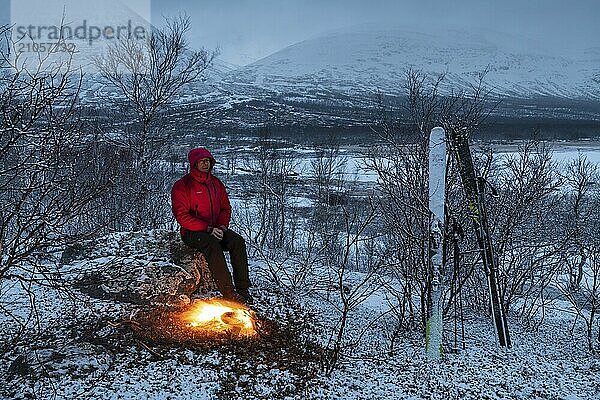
point(437, 200)
point(474, 187)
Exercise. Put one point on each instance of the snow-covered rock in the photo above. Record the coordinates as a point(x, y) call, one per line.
point(141, 268)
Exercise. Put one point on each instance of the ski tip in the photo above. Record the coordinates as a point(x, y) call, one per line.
point(438, 136)
point(437, 131)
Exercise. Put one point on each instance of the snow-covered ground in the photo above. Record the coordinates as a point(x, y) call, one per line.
point(80, 346)
point(81, 354)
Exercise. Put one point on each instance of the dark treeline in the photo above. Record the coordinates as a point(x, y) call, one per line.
point(312, 121)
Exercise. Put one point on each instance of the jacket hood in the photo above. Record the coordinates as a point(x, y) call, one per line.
point(196, 154)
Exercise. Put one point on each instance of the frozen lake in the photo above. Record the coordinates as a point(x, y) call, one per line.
point(563, 152)
point(303, 157)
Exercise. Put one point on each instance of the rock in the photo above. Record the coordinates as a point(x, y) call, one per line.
point(153, 267)
point(72, 253)
point(19, 366)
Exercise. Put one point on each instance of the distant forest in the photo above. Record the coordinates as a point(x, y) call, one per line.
point(313, 120)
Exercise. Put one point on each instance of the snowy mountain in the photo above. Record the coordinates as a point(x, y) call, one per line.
point(369, 59)
point(331, 81)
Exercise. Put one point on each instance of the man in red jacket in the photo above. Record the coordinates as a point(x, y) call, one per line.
point(202, 209)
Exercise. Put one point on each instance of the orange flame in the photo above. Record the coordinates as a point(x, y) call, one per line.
point(220, 316)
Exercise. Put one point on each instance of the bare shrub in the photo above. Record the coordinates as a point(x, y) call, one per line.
point(268, 221)
point(53, 174)
point(579, 278)
point(526, 241)
point(150, 75)
point(345, 292)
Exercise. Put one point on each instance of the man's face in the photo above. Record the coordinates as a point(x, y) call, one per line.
point(203, 164)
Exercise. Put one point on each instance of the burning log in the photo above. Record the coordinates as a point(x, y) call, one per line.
point(201, 322)
point(218, 316)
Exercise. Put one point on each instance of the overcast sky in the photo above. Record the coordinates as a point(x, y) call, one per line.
point(247, 30)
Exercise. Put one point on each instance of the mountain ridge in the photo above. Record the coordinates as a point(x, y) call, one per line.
point(376, 60)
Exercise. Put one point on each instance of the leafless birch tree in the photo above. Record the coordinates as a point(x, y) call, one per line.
point(150, 74)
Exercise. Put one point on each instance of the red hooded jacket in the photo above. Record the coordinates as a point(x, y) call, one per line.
point(199, 200)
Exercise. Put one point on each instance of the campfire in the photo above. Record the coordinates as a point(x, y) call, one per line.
point(203, 322)
point(218, 317)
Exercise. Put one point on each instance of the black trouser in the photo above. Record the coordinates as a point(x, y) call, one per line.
point(213, 251)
